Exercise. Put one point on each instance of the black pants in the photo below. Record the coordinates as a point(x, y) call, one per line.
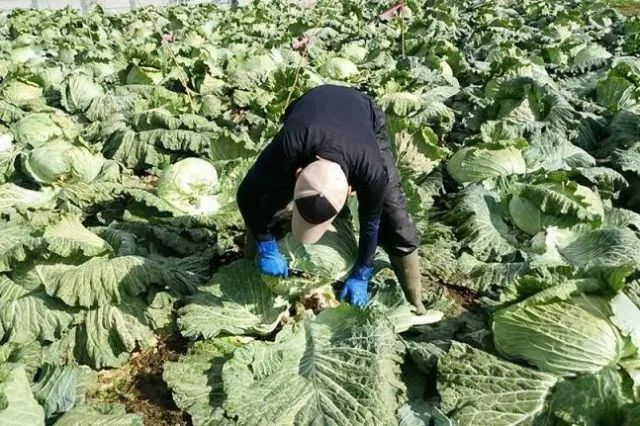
point(397, 234)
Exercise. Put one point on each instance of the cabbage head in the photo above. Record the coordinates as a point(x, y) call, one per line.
point(338, 68)
point(37, 128)
point(560, 335)
point(24, 54)
point(473, 164)
point(103, 69)
point(144, 75)
point(79, 91)
point(210, 107)
point(51, 76)
point(21, 92)
point(354, 52)
point(59, 161)
point(190, 186)
point(527, 217)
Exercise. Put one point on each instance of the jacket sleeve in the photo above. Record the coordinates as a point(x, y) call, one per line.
point(267, 188)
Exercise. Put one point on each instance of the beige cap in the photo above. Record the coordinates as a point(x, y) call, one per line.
point(320, 193)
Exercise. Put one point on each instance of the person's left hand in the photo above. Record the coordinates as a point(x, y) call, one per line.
point(355, 287)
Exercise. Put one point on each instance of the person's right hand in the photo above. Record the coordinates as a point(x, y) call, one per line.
point(270, 261)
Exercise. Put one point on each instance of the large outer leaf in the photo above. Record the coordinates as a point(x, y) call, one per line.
point(416, 152)
point(622, 129)
point(607, 246)
point(565, 337)
point(28, 355)
point(332, 257)
point(481, 224)
point(626, 316)
point(84, 195)
point(551, 152)
point(7, 158)
point(56, 388)
point(481, 389)
point(566, 198)
point(593, 399)
point(438, 254)
point(27, 316)
point(235, 301)
point(69, 236)
point(124, 145)
point(340, 368)
point(589, 56)
point(16, 197)
point(108, 334)
point(389, 299)
point(187, 141)
point(473, 164)
point(628, 159)
point(18, 407)
point(606, 180)
point(104, 108)
point(230, 146)
point(485, 276)
point(401, 103)
point(101, 281)
point(615, 93)
point(100, 416)
point(15, 244)
point(623, 218)
point(151, 200)
point(196, 379)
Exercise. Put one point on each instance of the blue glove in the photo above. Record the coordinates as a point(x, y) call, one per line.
point(270, 261)
point(355, 287)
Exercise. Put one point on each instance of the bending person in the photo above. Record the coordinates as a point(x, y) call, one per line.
point(332, 141)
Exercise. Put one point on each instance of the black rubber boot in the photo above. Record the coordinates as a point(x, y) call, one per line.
point(407, 269)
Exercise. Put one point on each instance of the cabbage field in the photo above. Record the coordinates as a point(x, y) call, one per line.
point(515, 125)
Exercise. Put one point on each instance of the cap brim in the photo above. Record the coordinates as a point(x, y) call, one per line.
point(306, 232)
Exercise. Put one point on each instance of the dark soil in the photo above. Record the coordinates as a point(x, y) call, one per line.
point(464, 296)
point(139, 385)
point(226, 258)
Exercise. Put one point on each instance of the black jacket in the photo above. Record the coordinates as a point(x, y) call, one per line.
point(335, 123)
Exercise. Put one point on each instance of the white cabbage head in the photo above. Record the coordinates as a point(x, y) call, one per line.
point(560, 335)
point(338, 68)
point(190, 186)
point(59, 161)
